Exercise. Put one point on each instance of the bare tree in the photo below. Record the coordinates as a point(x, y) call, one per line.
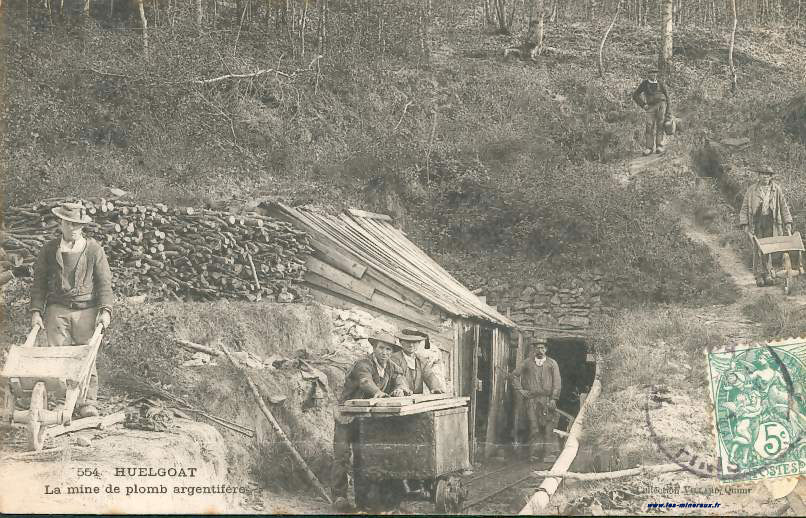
point(534, 34)
point(666, 39)
point(604, 38)
point(732, 42)
point(144, 23)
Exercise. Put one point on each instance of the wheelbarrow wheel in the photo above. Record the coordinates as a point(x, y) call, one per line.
point(39, 401)
point(449, 494)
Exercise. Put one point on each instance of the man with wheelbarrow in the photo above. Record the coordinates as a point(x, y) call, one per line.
point(73, 289)
point(764, 213)
point(537, 380)
point(373, 376)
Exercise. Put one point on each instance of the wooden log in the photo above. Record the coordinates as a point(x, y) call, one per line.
point(100, 422)
point(612, 475)
point(198, 347)
point(278, 429)
point(539, 501)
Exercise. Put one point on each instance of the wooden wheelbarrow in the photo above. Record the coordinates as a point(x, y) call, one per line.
point(31, 372)
point(787, 246)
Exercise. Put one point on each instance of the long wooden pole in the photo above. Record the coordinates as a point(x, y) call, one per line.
point(610, 475)
point(311, 476)
point(604, 38)
point(540, 499)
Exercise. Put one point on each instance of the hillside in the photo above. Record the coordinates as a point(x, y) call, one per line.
point(506, 171)
point(472, 153)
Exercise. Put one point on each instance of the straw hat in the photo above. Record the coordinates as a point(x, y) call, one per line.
point(379, 335)
point(74, 212)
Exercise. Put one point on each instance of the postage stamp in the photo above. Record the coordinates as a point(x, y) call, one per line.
point(759, 409)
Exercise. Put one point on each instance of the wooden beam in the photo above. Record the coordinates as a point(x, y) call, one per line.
point(87, 422)
point(388, 305)
point(372, 215)
point(339, 277)
point(330, 255)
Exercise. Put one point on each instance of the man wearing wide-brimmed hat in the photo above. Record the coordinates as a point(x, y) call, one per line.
point(764, 213)
point(73, 288)
point(418, 374)
point(373, 376)
point(653, 97)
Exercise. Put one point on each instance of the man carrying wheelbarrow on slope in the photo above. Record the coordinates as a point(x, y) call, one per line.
point(73, 288)
point(764, 213)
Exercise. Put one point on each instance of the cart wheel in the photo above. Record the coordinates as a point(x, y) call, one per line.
point(39, 401)
point(449, 495)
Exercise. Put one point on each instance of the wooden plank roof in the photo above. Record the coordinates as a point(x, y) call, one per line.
point(374, 240)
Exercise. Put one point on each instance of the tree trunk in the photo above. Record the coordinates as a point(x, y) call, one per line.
point(730, 51)
point(604, 38)
point(666, 39)
point(199, 14)
point(144, 23)
point(86, 10)
point(534, 33)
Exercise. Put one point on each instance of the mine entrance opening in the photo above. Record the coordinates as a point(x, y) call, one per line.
point(572, 356)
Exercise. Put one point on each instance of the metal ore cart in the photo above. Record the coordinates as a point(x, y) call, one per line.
point(419, 441)
point(32, 372)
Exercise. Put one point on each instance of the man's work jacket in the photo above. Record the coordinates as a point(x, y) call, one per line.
point(365, 381)
point(542, 381)
point(420, 376)
point(778, 207)
point(88, 285)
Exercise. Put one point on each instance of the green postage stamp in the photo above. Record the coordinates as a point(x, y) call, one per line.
point(759, 409)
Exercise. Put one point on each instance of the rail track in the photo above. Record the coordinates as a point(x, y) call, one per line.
point(500, 488)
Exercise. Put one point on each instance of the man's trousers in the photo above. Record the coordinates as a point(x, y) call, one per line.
point(65, 326)
point(654, 133)
point(542, 422)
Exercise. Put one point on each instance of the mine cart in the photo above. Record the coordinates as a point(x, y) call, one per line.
point(31, 372)
point(790, 247)
point(415, 441)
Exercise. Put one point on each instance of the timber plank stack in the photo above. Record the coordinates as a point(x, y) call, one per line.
point(173, 252)
point(405, 405)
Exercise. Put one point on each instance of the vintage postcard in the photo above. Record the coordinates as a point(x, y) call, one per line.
point(474, 257)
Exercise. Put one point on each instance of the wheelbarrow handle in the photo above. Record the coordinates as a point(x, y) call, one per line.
point(31, 338)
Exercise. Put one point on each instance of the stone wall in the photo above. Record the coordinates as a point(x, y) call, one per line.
point(559, 309)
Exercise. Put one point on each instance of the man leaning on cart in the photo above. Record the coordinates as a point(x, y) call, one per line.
point(73, 288)
point(370, 377)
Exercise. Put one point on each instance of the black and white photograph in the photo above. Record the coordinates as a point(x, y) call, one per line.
point(403, 257)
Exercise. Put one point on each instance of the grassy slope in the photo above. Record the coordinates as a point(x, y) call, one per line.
point(519, 160)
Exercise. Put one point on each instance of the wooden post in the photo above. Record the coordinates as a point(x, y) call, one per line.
point(474, 392)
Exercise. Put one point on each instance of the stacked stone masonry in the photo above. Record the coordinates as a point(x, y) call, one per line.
point(568, 308)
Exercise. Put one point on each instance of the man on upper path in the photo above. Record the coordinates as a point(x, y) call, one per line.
point(652, 96)
point(764, 213)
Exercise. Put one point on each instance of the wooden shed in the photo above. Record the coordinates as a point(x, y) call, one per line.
point(361, 259)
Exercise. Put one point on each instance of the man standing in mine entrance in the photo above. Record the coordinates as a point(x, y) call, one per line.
point(652, 96)
point(373, 376)
point(73, 288)
point(764, 213)
point(537, 380)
